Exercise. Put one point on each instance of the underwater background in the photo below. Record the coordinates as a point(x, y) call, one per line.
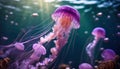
point(19, 16)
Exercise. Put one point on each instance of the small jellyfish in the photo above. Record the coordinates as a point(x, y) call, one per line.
point(19, 46)
point(98, 33)
point(12, 50)
point(108, 54)
point(85, 66)
point(38, 51)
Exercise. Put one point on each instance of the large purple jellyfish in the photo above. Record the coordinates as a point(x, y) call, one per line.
point(108, 54)
point(85, 66)
point(98, 33)
point(66, 18)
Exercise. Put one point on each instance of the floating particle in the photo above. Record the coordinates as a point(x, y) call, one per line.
point(118, 14)
point(94, 16)
point(16, 24)
point(86, 32)
point(106, 39)
point(96, 19)
point(35, 14)
point(35, 3)
point(11, 13)
point(118, 33)
point(92, 12)
point(5, 38)
point(118, 26)
point(6, 16)
point(99, 14)
point(12, 22)
point(70, 62)
point(67, 67)
point(101, 48)
point(108, 16)
point(96, 66)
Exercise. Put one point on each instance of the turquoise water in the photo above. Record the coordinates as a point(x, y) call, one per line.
point(19, 16)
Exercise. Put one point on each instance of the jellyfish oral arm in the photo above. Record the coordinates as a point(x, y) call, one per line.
point(50, 36)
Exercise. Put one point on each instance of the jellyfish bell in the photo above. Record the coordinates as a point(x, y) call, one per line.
point(37, 47)
point(108, 54)
point(99, 32)
point(67, 15)
point(19, 46)
point(85, 66)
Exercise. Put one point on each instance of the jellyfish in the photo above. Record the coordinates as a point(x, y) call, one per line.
point(98, 33)
point(14, 50)
point(65, 18)
point(38, 51)
point(110, 60)
point(85, 66)
point(108, 54)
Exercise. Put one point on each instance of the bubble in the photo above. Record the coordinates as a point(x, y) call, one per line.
point(96, 19)
point(11, 22)
point(5, 38)
point(11, 13)
point(108, 16)
point(86, 32)
point(35, 14)
point(99, 14)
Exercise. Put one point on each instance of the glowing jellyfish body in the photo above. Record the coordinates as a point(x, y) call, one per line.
point(85, 66)
point(98, 33)
point(108, 54)
point(65, 18)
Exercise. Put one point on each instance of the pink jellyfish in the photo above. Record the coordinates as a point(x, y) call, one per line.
point(85, 66)
point(66, 18)
point(98, 33)
point(108, 54)
point(19, 46)
point(38, 50)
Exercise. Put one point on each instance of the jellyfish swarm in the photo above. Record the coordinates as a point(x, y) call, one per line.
point(85, 66)
point(98, 33)
point(65, 18)
point(108, 54)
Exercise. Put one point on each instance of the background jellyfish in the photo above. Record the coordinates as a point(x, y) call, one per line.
point(108, 54)
point(12, 51)
point(98, 34)
point(110, 60)
point(85, 66)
